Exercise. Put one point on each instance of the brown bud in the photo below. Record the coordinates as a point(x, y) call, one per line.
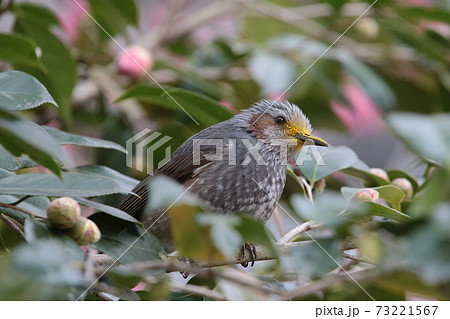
point(404, 185)
point(366, 195)
point(62, 213)
point(84, 232)
point(380, 173)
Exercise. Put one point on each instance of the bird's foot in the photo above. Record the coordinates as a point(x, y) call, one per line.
point(188, 261)
point(251, 249)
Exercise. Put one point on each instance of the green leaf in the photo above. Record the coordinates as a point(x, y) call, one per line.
point(202, 108)
point(324, 161)
point(17, 48)
point(365, 175)
point(313, 259)
point(273, 72)
point(376, 209)
point(20, 91)
point(64, 138)
point(60, 69)
point(104, 171)
point(125, 240)
point(391, 194)
point(107, 209)
point(71, 184)
point(431, 13)
point(13, 163)
point(36, 205)
point(221, 228)
point(50, 261)
point(113, 15)
point(393, 174)
point(426, 135)
point(24, 137)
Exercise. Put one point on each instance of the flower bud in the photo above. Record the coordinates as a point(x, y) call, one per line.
point(368, 27)
point(366, 195)
point(84, 232)
point(404, 185)
point(62, 213)
point(380, 173)
point(134, 61)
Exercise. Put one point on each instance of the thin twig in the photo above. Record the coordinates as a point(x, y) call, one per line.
point(358, 259)
point(102, 296)
point(198, 290)
point(20, 209)
point(279, 222)
point(297, 231)
point(308, 188)
point(9, 221)
point(324, 284)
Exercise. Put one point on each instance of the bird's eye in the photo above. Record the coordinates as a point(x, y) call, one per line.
point(280, 120)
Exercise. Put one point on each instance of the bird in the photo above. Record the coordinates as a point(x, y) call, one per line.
point(235, 166)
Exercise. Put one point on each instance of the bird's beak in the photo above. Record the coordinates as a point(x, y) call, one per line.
point(311, 139)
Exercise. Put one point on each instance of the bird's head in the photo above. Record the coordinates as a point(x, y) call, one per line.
point(280, 121)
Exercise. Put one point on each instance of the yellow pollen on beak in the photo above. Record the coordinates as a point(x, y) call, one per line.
point(302, 135)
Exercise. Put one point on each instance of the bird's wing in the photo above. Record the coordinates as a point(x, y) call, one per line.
point(180, 168)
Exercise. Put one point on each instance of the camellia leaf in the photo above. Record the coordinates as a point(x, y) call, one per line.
point(393, 174)
point(60, 74)
point(50, 261)
point(64, 138)
point(71, 184)
point(201, 108)
point(125, 240)
point(107, 209)
point(324, 161)
point(376, 209)
point(17, 48)
point(24, 137)
point(390, 193)
point(365, 175)
point(113, 15)
point(21, 91)
point(425, 135)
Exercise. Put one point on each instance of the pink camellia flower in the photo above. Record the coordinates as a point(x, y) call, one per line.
point(362, 115)
point(277, 96)
point(228, 105)
point(70, 19)
point(135, 61)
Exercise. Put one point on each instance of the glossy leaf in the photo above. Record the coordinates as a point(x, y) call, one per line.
point(60, 76)
point(324, 161)
point(71, 184)
point(20, 91)
point(113, 16)
point(24, 137)
point(17, 48)
point(202, 108)
point(115, 212)
point(126, 241)
point(64, 138)
point(425, 135)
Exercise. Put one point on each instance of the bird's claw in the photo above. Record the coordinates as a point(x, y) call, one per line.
point(188, 261)
point(252, 250)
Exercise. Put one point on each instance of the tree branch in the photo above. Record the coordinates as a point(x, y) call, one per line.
point(324, 284)
point(9, 221)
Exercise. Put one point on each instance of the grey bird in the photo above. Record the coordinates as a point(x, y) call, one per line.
point(238, 165)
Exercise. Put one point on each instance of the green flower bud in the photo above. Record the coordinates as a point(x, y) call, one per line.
point(62, 213)
point(380, 173)
point(366, 195)
point(84, 232)
point(404, 185)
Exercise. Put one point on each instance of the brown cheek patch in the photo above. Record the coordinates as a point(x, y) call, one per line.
point(258, 123)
